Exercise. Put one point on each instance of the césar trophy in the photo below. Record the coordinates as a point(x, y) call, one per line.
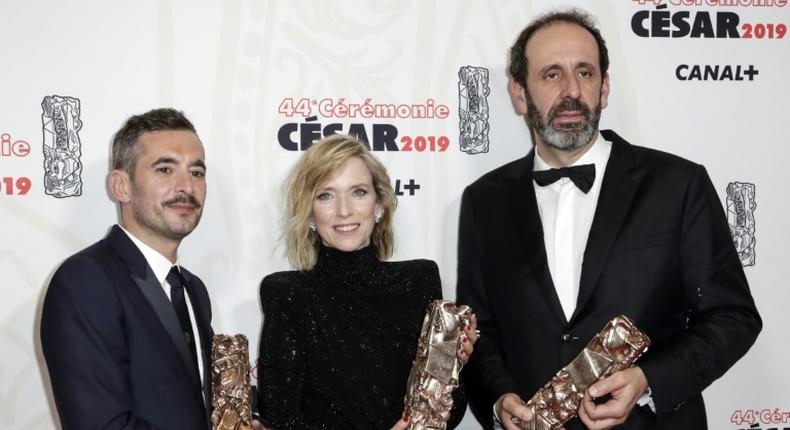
point(230, 383)
point(435, 370)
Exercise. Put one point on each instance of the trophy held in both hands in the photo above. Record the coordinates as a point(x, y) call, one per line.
point(614, 348)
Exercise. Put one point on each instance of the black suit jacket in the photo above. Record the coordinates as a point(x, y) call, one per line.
point(659, 251)
point(115, 351)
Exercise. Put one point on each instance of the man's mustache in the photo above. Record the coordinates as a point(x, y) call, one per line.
point(183, 199)
point(569, 104)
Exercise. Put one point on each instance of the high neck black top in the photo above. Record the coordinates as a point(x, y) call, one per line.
point(338, 340)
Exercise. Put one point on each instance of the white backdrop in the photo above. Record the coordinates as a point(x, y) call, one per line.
point(230, 65)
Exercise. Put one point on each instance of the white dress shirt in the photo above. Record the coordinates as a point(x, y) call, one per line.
point(567, 213)
point(160, 265)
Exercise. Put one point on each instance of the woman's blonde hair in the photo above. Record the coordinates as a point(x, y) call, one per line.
point(316, 166)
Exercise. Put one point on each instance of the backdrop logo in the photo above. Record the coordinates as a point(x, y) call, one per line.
point(473, 91)
point(662, 22)
point(698, 72)
point(13, 148)
point(60, 123)
point(382, 135)
point(740, 216)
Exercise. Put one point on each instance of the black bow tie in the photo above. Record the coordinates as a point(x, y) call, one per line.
point(582, 176)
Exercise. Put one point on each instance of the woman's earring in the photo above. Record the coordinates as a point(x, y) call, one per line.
point(379, 214)
point(311, 224)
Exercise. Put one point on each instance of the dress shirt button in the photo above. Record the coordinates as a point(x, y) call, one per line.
point(566, 337)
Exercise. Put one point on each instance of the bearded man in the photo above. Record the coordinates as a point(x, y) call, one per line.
point(587, 227)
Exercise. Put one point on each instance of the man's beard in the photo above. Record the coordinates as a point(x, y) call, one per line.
point(566, 136)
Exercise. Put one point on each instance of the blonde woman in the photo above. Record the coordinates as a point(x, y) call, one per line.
point(340, 332)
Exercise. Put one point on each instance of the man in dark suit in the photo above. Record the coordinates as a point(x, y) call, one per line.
point(587, 227)
point(125, 329)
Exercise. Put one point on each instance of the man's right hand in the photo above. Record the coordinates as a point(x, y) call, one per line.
point(511, 406)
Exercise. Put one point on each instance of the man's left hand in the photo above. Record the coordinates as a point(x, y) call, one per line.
point(625, 387)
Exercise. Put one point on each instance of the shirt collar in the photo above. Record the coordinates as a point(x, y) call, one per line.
point(598, 154)
point(158, 263)
point(539, 164)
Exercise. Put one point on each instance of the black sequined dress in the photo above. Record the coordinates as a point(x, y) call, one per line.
point(338, 341)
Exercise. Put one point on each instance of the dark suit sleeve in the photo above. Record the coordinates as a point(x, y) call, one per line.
point(281, 358)
point(723, 322)
point(485, 376)
point(83, 341)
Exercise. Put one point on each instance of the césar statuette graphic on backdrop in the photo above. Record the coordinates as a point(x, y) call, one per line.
point(740, 216)
point(473, 122)
point(60, 124)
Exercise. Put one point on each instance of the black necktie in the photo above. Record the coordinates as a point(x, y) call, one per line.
point(177, 283)
point(582, 176)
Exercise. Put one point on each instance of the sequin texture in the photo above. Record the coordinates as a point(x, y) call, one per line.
point(338, 341)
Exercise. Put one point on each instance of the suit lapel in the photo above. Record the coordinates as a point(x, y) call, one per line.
point(527, 218)
point(163, 308)
point(617, 192)
point(149, 286)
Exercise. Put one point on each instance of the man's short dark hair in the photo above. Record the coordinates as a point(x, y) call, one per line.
point(124, 154)
point(518, 55)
